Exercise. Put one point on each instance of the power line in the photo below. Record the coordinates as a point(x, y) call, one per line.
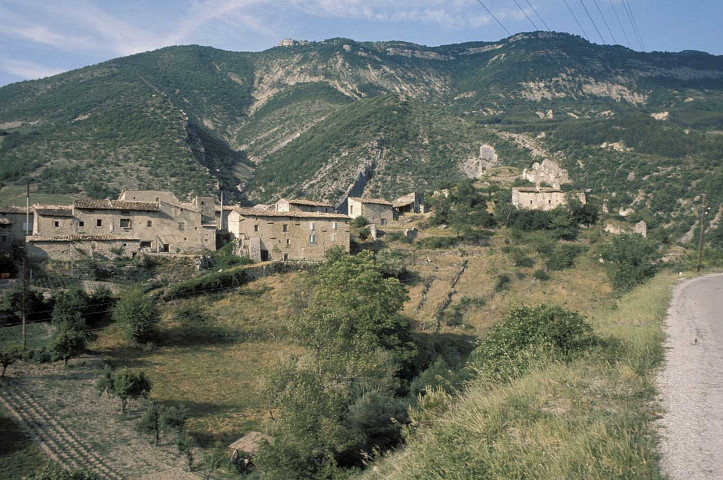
point(538, 15)
point(605, 21)
point(576, 20)
point(627, 40)
point(631, 17)
point(593, 21)
point(493, 16)
point(525, 14)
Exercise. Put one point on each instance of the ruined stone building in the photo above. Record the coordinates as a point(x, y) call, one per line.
point(284, 205)
point(13, 226)
point(289, 235)
point(542, 198)
point(549, 172)
point(377, 211)
point(409, 203)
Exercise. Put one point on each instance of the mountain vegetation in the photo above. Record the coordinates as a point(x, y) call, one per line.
point(640, 129)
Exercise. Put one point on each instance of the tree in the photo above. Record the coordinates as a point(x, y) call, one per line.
point(8, 356)
point(70, 308)
point(127, 385)
point(69, 342)
point(630, 260)
point(151, 422)
point(137, 316)
point(212, 459)
point(184, 443)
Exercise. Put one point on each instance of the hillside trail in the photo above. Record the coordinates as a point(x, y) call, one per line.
point(691, 382)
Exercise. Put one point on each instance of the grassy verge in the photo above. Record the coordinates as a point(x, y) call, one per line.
point(587, 419)
point(19, 456)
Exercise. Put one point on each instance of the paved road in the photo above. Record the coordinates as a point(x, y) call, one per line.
point(691, 383)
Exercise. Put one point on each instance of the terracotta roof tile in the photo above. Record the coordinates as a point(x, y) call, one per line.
point(93, 204)
point(255, 212)
point(377, 201)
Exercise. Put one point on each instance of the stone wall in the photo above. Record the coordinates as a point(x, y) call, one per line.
point(66, 249)
point(548, 172)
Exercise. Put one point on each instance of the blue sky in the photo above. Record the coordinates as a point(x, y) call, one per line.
point(44, 37)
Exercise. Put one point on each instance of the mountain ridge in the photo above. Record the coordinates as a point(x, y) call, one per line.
point(196, 119)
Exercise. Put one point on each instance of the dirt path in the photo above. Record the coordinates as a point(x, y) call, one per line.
point(691, 383)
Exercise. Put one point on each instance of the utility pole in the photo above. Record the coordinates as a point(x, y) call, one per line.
point(24, 267)
point(700, 238)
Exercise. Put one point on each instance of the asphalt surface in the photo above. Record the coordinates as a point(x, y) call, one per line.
point(691, 382)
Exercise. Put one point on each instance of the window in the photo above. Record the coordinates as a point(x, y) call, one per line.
point(286, 256)
point(312, 239)
point(256, 228)
point(56, 223)
point(333, 237)
point(145, 244)
point(125, 212)
point(149, 223)
point(4, 239)
point(99, 223)
point(284, 227)
point(312, 227)
point(181, 226)
point(549, 202)
point(530, 202)
point(81, 223)
point(351, 209)
point(125, 223)
point(335, 226)
point(384, 221)
point(288, 241)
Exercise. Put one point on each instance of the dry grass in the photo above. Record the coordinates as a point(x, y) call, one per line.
point(215, 367)
point(587, 419)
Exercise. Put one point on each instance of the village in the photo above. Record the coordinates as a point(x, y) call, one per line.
point(157, 222)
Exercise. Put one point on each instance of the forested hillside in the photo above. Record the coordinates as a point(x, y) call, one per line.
point(642, 130)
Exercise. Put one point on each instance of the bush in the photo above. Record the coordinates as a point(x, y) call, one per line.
point(359, 222)
point(438, 242)
point(630, 260)
point(502, 282)
point(540, 275)
point(137, 316)
point(364, 233)
point(527, 333)
point(563, 256)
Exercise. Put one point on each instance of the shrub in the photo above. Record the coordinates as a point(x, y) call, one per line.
point(359, 222)
point(438, 242)
point(526, 333)
point(630, 260)
point(540, 275)
point(563, 256)
point(69, 342)
point(364, 233)
point(137, 316)
point(502, 282)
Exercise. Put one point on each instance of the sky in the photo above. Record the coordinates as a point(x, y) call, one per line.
point(39, 38)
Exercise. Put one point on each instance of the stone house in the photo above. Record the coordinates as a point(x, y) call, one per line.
point(284, 205)
point(377, 211)
point(409, 203)
point(14, 226)
point(549, 171)
point(295, 235)
point(542, 198)
point(124, 227)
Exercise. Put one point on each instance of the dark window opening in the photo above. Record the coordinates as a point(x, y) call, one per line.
point(284, 227)
point(165, 248)
point(125, 223)
point(81, 224)
point(286, 256)
point(145, 244)
point(264, 255)
point(181, 226)
point(56, 223)
point(99, 223)
point(256, 228)
point(149, 223)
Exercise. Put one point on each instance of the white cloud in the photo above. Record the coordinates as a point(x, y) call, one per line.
point(28, 70)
